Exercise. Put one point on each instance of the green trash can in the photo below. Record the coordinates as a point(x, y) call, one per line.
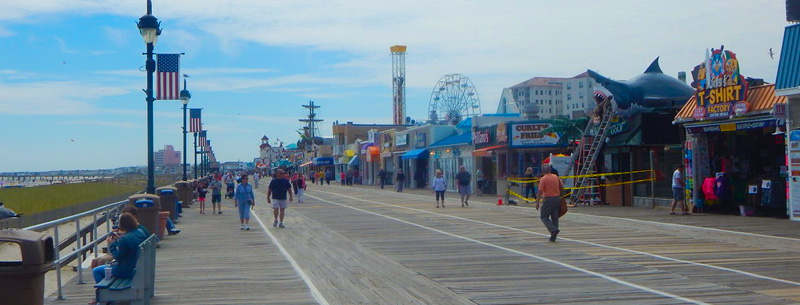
point(147, 206)
point(22, 281)
point(168, 196)
point(184, 193)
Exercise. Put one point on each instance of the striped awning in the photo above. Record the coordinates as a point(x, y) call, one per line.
point(761, 99)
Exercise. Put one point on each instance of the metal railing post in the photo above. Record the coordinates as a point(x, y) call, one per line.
point(78, 246)
point(94, 233)
point(57, 256)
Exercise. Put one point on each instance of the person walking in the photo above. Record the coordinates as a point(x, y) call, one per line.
point(293, 180)
point(313, 176)
point(463, 179)
point(382, 177)
point(529, 186)
point(256, 177)
point(201, 196)
point(301, 187)
point(216, 196)
point(550, 187)
point(328, 176)
point(678, 194)
point(439, 187)
point(400, 180)
point(276, 195)
point(479, 177)
point(244, 199)
point(343, 178)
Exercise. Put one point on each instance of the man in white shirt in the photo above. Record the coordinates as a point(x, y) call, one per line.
point(678, 192)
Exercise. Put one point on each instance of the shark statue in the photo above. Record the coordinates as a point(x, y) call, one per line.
point(653, 89)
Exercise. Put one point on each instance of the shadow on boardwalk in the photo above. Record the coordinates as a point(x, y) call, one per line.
point(213, 262)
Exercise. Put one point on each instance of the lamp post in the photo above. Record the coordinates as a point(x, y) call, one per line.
point(185, 96)
point(195, 155)
point(149, 28)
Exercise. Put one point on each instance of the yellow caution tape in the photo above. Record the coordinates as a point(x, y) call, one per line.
point(510, 192)
point(530, 180)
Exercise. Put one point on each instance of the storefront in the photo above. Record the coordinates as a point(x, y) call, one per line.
point(734, 148)
point(487, 148)
point(449, 154)
point(413, 141)
point(528, 147)
point(745, 155)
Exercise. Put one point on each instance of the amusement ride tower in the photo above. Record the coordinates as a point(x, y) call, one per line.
point(399, 83)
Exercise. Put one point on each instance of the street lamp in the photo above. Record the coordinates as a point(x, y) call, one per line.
point(149, 28)
point(185, 96)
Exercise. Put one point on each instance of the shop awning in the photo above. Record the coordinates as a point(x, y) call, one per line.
point(373, 153)
point(760, 98)
point(353, 161)
point(368, 144)
point(788, 79)
point(306, 164)
point(454, 140)
point(486, 151)
point(759, 122)
point(420, 153)
point(323, 161)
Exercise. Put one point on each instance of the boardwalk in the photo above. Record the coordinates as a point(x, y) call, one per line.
point(361, 245)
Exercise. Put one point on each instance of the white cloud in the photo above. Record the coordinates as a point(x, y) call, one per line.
point(53, 98)
point(106, 124)
point(118, 37)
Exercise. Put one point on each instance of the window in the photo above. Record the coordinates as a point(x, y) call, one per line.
point(569, 86)
point(580, 84)
point(551, 102)
point(581, 95)
point(569, 97)
point(589, 84)
point(583, 105)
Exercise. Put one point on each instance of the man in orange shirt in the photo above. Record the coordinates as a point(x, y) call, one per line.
point(550, 187)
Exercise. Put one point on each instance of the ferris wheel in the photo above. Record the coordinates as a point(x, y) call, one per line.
point(453, 98)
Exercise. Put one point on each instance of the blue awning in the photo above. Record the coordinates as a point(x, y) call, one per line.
point(420, 153)
point(454, 140)
point(353, 161)
point(789, 64)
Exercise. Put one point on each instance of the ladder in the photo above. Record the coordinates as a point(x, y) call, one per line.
point(587, 153)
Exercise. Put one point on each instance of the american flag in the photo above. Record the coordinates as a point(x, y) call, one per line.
point(202, 140)
point(195, 125)
point(168, 77)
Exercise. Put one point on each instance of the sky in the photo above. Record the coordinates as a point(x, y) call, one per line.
point(71, 71)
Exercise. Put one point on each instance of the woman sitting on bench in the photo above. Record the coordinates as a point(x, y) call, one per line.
point(124, 248)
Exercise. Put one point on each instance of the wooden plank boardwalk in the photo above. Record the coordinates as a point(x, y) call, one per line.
point(362, 245)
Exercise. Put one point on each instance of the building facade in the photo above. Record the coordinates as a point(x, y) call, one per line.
point(553, 95)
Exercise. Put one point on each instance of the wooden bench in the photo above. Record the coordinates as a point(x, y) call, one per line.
point(138, 289)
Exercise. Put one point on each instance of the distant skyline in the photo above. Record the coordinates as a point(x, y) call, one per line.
point(71, 79)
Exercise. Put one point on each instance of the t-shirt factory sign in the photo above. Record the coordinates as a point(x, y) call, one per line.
point(529, 135)
point(721, 89)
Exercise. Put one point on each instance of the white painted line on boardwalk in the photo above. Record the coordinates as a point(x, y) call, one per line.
point(314, 291)
point(565, 265)
point(582, 242)
point(648, 222)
